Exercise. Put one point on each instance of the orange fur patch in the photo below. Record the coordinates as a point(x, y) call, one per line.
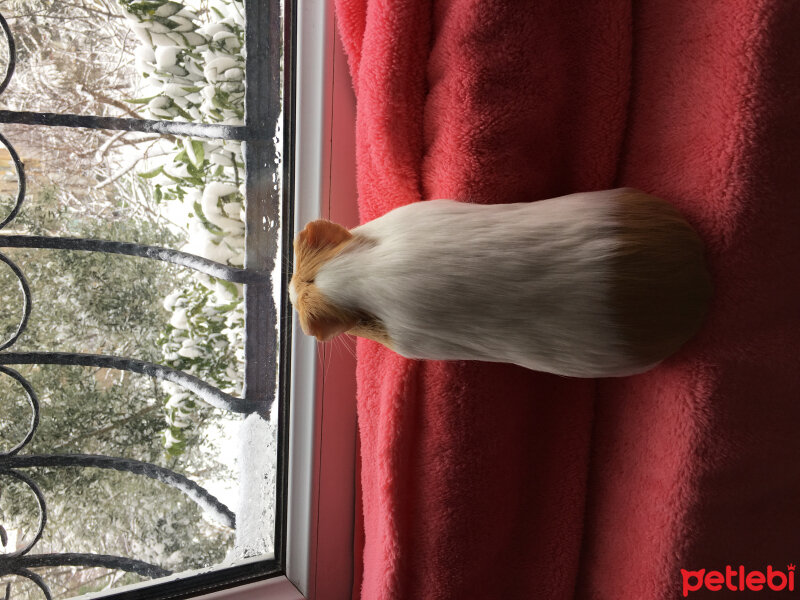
point(317, 244)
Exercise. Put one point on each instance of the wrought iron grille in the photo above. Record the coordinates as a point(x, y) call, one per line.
point(268, 44)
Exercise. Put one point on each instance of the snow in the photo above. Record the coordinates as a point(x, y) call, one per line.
point(166, 56)
point(171, 299)
point(178, 319)
point(189, 349)
point(256, 444)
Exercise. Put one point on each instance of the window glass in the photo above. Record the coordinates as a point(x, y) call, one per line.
point(136, 441)
point(133, 58)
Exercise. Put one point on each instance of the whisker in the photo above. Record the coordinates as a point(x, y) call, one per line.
point(336, 343)
point(321, 360)
point(324, 365)
point(329, 353)
point(347, 345)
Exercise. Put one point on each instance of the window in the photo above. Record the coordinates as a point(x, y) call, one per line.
point(139, 354)
point(315, 459)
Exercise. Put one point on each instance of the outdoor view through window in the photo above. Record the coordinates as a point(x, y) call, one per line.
point(130, 448)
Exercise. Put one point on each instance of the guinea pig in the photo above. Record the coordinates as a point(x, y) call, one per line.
point(596, 284)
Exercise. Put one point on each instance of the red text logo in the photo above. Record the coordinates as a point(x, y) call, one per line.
point(738, 580)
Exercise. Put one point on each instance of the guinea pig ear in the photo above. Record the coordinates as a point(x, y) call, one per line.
point(321, 233)
point(327, 326)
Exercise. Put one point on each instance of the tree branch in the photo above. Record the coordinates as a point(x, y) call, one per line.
point(103, 99)
point(107, 428)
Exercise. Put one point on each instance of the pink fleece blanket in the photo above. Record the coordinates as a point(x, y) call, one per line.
point(490, 481)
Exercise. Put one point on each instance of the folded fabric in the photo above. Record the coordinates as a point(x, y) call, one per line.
point(490, 481)
point(695, 465)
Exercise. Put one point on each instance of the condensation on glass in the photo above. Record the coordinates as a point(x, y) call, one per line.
point(141, 190)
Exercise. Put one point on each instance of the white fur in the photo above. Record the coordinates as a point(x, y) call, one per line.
point(522, 283)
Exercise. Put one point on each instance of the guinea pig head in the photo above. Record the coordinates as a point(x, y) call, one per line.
point(317, 244)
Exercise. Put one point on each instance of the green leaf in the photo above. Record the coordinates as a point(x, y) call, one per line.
point(218, 100)
point(199, 152)
point(140, 100)
point(182, 112)
point(195, 157)
point(173, 178)
point(228, 307)
point(230, 288)
point(198, 210)
point(151, 174)
point(195, 171)
point(183, 157)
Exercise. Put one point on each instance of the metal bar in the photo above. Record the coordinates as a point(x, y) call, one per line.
point(20, 182)
point(12, 54)
point(205, 391)
point(199, 130)
point(198, 494)
point(83, 559)
point(33, 402)
point(37, 493)
point(260, 241)
point(263, 193)
point(184, 259)
point(27, 300)
point(37, 579)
